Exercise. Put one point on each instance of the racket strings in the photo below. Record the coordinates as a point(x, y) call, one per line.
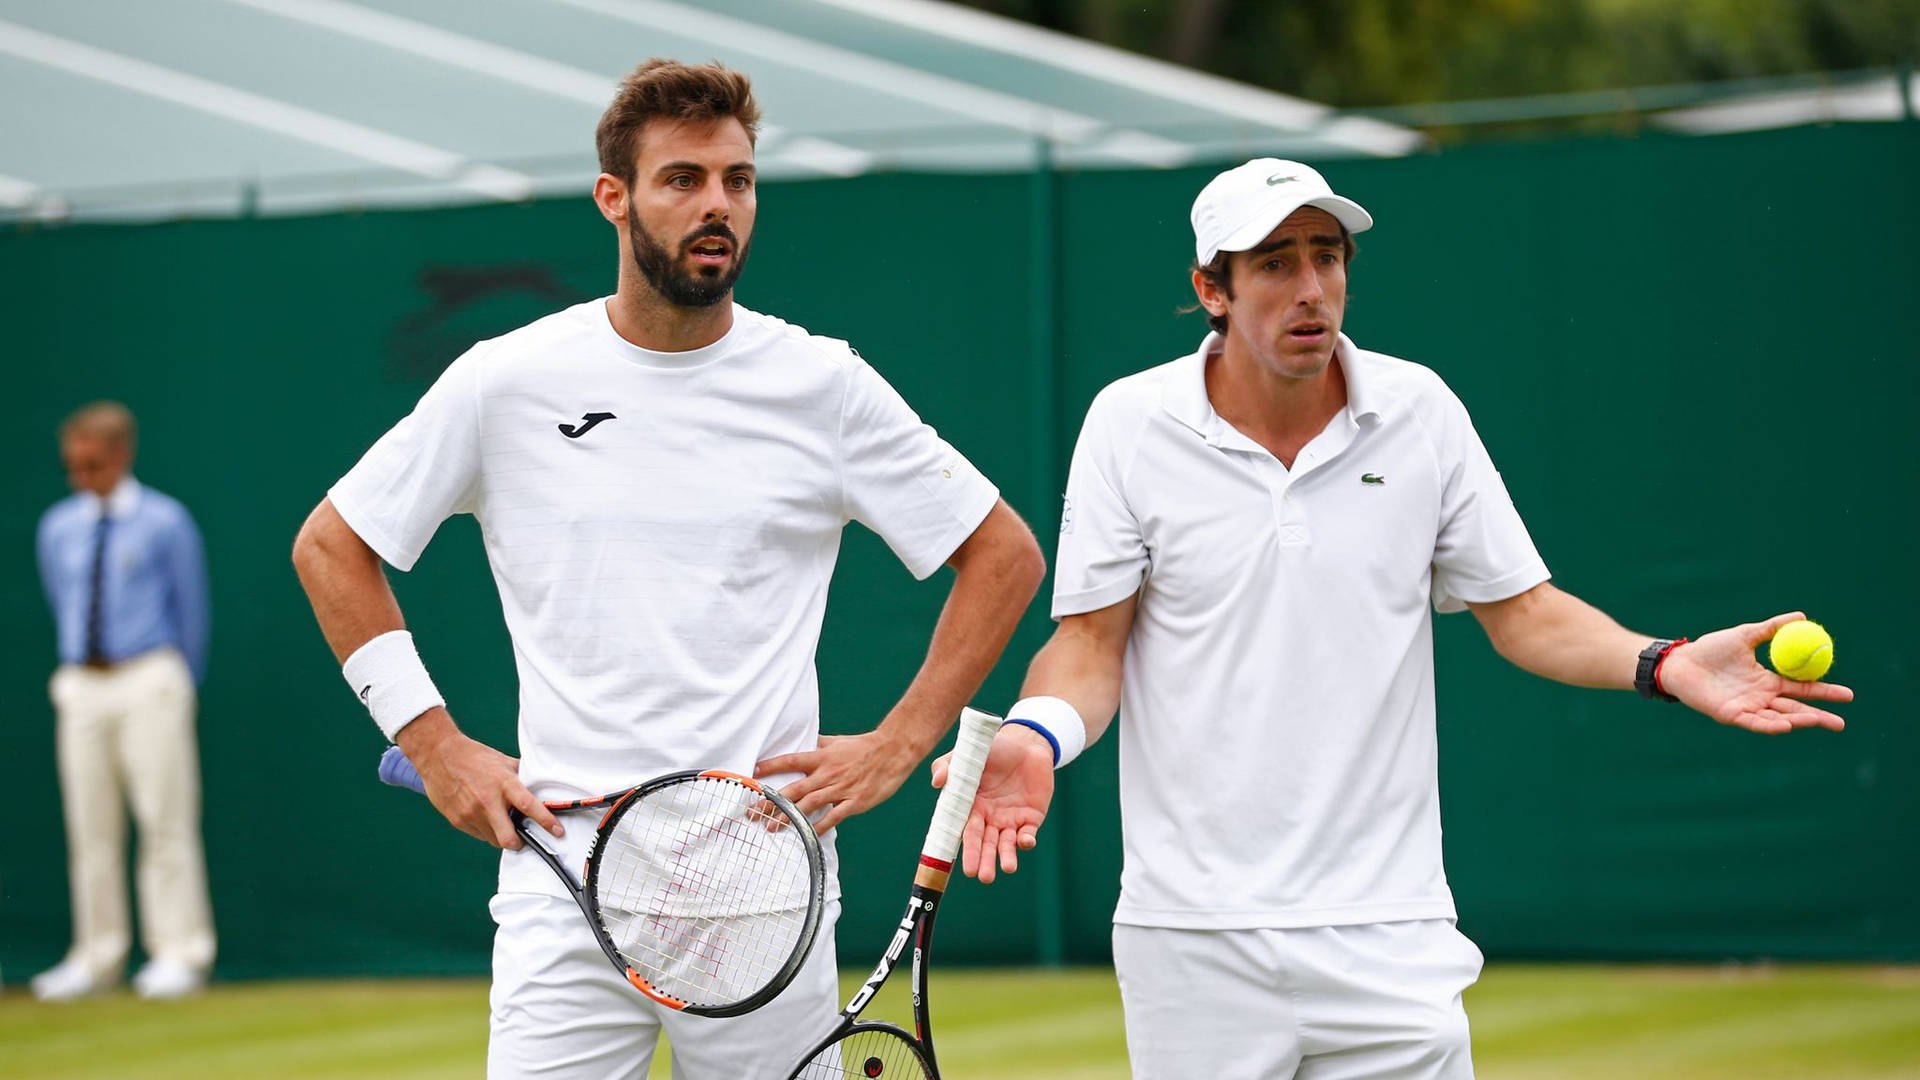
point(867, 1054)
point(704, 888)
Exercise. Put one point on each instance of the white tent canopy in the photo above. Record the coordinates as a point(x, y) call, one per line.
point(159, 108)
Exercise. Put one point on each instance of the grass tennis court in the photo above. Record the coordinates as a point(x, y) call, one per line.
point(1564, 1022)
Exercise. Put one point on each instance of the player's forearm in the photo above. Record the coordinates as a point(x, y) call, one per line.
point(354, 604)
point(428, 736)
point(996, 574)
point(1559, 636)
point(1079, 668)
point(344, 582)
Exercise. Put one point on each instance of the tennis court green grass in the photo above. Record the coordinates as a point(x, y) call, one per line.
point(1560, 1022)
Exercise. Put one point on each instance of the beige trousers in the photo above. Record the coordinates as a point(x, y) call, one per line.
point(125, 740)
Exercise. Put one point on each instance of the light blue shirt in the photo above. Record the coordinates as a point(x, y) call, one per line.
point(153, 578)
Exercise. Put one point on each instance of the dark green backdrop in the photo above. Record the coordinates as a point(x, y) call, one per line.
point(1693, 360)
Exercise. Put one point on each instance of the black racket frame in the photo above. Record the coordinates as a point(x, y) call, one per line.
point(915, 927)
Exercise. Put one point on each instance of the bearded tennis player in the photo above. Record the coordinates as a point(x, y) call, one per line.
point(661, 478)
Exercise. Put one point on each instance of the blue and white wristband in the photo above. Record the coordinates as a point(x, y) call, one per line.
point(1055, 719)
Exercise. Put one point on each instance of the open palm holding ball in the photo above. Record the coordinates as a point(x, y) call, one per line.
point(1801, 650)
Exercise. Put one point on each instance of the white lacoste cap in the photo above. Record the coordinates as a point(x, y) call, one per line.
point(1238, 208)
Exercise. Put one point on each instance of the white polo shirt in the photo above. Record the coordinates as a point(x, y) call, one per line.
point(663, 568)
point(1277, 748)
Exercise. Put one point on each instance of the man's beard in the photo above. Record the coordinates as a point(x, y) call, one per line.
point(663, 270)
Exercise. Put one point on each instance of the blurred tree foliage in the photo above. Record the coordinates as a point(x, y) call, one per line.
point(1359, 53)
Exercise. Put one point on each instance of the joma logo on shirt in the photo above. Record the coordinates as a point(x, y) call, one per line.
point(587, 423)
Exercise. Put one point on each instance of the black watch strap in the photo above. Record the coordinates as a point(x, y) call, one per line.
point(1646, 676)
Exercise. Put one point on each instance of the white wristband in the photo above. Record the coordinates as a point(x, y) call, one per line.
point(1057, 719)
point(391, 681)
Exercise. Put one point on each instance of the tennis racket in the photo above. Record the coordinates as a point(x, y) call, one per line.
point(875, 1050)
point(704, 889)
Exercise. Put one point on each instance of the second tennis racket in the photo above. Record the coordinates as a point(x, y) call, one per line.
point(875, 1050)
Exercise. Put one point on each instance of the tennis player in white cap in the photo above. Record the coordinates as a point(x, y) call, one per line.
point(1254, 539)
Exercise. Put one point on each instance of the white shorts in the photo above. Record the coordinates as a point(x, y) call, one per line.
point(560, 1011)
point(1380, 1001)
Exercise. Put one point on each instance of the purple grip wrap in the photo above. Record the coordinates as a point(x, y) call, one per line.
point(395, 769)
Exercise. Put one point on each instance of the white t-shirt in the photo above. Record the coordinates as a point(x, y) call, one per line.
point(1277, 749)
point(663, 568)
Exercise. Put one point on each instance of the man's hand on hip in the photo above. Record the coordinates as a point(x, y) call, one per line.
point(847, 775)
point(470, 783)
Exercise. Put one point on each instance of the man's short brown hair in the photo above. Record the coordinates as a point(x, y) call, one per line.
point(108, 421)
point(670, 90)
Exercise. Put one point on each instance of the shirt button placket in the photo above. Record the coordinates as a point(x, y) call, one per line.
point(1289, 521)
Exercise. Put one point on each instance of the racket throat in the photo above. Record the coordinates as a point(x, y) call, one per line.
point(922, 1022)
point(920, 909)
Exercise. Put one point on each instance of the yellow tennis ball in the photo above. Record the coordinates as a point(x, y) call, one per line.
point(1802, 650)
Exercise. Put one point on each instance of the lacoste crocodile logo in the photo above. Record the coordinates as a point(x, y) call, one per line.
point(587, 423)
point(1277, 179)
point(1373, 479)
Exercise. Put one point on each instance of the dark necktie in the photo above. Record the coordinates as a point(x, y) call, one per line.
point(96, 654)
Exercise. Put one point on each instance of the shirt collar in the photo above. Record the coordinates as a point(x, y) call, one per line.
point(122, 499)
point(684, 360)
point(1363, 397)
point(1184, 395)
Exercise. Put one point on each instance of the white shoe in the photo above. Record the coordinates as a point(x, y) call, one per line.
point(165, 980)
point(68, 980)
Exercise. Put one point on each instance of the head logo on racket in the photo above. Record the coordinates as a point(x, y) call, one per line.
point(856, 1047)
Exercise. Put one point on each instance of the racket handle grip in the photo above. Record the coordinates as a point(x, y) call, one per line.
point(395, 769)
point(969, 760)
